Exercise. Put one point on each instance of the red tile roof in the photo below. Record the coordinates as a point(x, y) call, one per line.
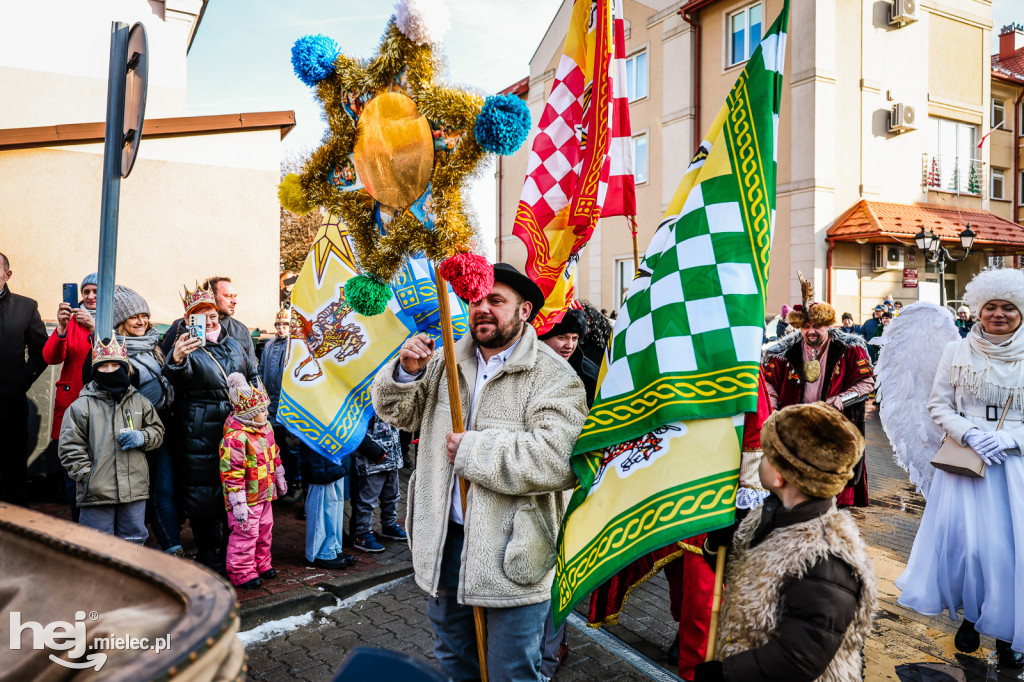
point(881, 222)
point(1011, 68)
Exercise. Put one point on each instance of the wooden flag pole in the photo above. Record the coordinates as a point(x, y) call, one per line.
point(636, 249)
point(458, 426)
point(716, 603)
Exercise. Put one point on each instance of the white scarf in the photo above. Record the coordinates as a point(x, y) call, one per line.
point(992, 370)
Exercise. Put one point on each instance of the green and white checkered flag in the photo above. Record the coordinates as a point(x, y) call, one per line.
point(687, 340)
point(658, 459)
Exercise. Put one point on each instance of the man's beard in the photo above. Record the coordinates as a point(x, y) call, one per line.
point(501, 336)
point(815, 343)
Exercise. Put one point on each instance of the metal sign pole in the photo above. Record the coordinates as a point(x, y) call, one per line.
point(111, 196)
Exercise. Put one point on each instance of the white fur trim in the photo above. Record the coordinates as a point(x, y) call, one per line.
point(422, 21)
point(995, 284)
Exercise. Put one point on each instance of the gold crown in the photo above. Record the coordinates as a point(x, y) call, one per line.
point(249, 399)
point(193, 299)
point(112, 351)
point(283, 315)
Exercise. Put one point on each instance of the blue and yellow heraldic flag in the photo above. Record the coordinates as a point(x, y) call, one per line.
point(334, 353)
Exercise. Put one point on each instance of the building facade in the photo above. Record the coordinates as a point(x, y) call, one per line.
point(881, 105)
point(201, 186)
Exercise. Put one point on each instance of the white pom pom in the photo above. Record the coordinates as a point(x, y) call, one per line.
point(422, 21)
point(236, 380)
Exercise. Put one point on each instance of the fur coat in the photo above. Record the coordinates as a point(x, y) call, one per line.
point(801, 595)
point(515, 455)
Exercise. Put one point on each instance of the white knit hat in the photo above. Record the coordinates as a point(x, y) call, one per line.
point(995, 284)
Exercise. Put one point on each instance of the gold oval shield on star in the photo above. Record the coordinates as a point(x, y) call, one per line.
point(394, 150)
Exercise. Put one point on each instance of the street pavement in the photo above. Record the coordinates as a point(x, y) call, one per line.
point(903, 646)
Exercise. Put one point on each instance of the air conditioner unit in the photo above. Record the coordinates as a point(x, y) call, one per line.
point(902, 12)
point(901, 118)
point(888, 257)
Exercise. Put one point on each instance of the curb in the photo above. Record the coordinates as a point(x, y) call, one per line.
point(345, 586)
point(303, 599)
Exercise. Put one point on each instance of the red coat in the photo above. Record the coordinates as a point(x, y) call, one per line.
point(72, 350)
point(846, 365)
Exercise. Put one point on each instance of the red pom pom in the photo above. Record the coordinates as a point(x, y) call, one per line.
point(470, 275)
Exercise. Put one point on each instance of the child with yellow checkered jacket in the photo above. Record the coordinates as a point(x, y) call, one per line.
point(252, 476)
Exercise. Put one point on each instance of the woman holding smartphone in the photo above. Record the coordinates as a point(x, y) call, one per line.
point(71, 344)
point(198, 369)
point(141, 341)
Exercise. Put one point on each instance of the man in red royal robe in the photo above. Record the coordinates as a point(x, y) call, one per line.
point(823, 362)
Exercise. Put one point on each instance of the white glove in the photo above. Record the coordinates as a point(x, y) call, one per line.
point(239, 508)
point(998, 444)
point(991, 446)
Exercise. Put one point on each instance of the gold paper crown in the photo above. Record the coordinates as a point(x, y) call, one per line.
point(105, 352)
point(283, 315)
point(193, 299)
point(249, 399)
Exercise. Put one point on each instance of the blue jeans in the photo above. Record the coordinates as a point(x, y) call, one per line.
point(325, 519)
point(163, 512)
point(513, 635)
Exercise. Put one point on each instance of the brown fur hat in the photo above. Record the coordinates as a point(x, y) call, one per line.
point(821, 315)
point(813, 446)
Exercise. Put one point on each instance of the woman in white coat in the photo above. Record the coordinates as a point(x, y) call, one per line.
point(969, 550)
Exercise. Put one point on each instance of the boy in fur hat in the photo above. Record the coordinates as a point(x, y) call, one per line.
point(252, 476)
point(801, 584)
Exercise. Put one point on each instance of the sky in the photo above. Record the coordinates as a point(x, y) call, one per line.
point(240, 60)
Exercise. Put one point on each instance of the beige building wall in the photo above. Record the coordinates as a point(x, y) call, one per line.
point(192, 208)
point(54, 57)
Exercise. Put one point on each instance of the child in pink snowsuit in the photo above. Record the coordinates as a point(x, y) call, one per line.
point(251, 472)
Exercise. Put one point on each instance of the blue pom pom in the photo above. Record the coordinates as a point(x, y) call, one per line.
point(503, 124)
point(313, 58)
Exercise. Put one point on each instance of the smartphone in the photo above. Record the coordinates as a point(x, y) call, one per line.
point(71, 294)
point(197, 327)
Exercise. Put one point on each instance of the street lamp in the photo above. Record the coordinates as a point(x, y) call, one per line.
point(931, 246)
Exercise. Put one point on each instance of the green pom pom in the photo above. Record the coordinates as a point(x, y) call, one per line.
point(367, 296)
point(291, 195)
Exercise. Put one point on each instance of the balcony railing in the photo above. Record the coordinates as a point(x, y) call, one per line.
point(942, 173)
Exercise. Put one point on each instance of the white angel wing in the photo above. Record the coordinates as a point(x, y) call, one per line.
point(906, 368)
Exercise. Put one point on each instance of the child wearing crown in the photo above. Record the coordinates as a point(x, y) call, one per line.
point(103, 440)
point(252, 475)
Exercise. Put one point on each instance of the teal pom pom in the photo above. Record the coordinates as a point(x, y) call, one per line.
point(313, 58)
point(367, 296)
point(503, 124)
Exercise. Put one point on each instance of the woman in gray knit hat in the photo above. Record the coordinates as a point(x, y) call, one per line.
point(131, 320)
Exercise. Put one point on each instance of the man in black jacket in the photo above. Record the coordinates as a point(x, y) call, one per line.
point(564, 338)
point(21, 330)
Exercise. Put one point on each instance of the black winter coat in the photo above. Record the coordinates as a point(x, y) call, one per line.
point(20, 328)
point(201, 405)
point(319, 470)
point(587, 371)
point(816, 611)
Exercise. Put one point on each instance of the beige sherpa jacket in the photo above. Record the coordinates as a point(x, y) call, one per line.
point(515, 455)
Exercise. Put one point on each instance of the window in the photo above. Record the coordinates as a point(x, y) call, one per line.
point(953, 163)
point(624, 271)
point(998, 179)
point(1020, 184)
point(744, 33)
point(640, 158)
point(998, 113)
point(636, 76)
